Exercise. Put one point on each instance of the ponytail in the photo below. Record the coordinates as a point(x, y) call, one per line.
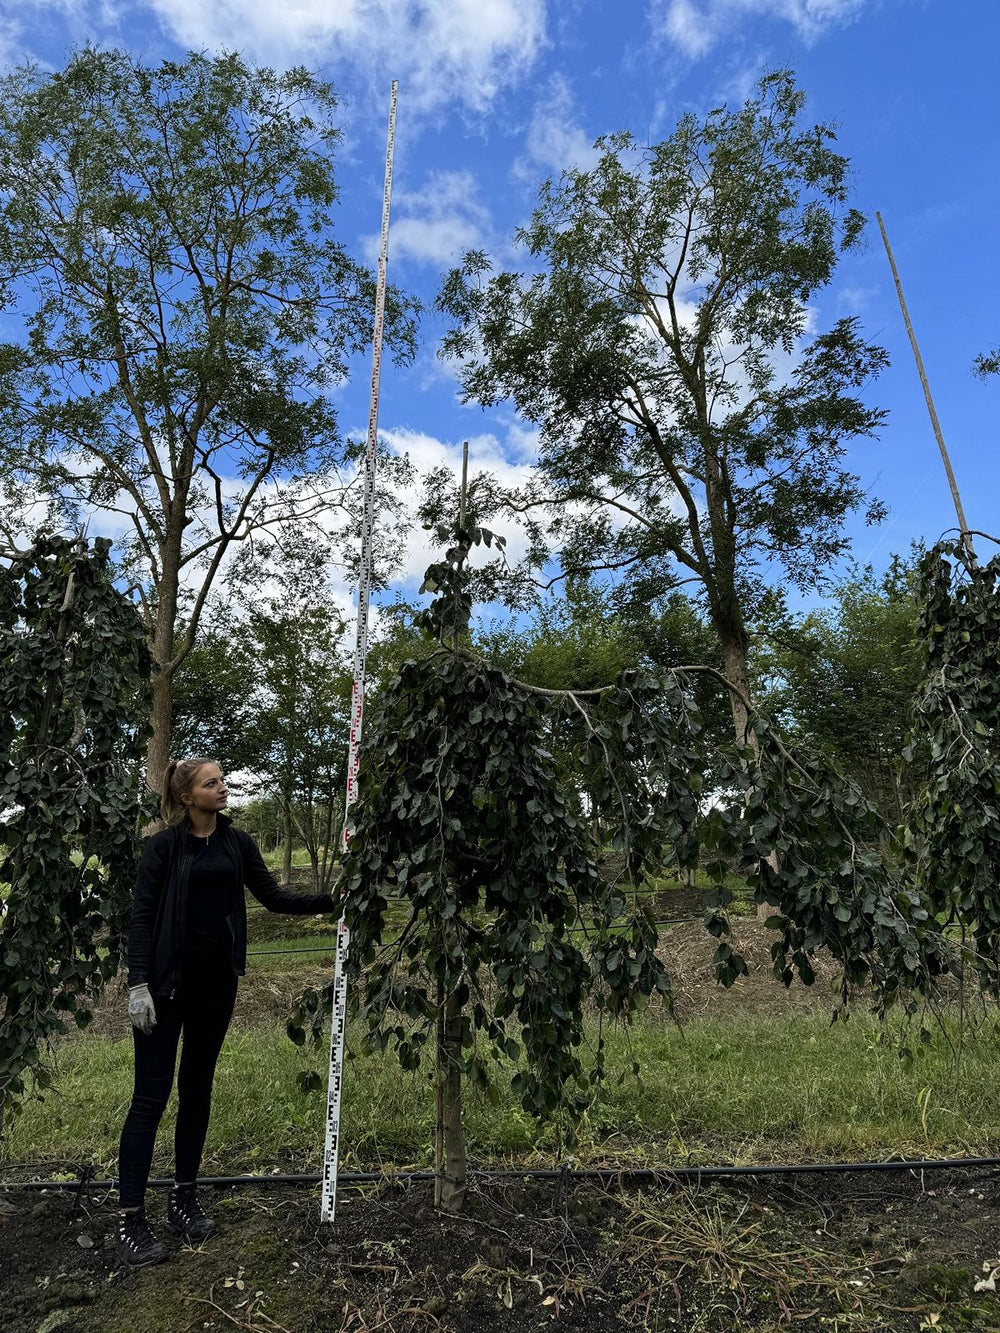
point(177, 782)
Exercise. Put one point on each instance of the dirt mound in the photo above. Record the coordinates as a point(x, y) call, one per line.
point(687, 951)
point(265, 997)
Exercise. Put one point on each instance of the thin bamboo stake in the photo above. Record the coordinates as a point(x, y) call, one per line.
point(935, 423)
point(462, 504)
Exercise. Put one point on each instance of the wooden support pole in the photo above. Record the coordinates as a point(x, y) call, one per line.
point(935, 423)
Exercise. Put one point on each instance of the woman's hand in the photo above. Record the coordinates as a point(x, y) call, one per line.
point(141, 1010)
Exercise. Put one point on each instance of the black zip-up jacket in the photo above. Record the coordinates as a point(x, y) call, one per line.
point(158, 923)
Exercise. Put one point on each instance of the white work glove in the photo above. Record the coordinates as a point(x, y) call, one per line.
point(140, 1009)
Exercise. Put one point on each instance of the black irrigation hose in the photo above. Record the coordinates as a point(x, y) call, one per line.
point(624, 1175)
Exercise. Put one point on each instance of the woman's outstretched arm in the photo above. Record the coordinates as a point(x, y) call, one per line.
point(266, 889)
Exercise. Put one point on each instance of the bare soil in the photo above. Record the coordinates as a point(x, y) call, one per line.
point(866, 1253)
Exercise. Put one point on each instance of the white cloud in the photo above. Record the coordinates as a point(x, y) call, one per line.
point(695, 26)
point(433, 240)
point(555, 142)
point(12, 51)
point(440, 50)
point(857, 300)
point(437, 223)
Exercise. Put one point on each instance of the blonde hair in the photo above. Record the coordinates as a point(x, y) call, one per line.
point(177, 782)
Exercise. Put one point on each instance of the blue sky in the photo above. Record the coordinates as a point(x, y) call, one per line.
point(495, 95)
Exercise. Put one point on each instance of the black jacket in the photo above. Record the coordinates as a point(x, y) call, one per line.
point(156, 931)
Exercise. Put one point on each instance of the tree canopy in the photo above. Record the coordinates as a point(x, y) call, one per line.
point(694, 425)
point(186, 306)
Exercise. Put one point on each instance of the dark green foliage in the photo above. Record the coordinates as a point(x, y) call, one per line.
point(72, 733)
point(953, 830)
point(447, 617)
point(832, 887)
point(830, 884)
point(465, 813)
point(460, 813)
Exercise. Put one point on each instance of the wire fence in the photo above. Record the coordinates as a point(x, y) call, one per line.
point(332, 943)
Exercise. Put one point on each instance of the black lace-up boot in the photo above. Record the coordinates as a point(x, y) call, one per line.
point(186, 1215)
point(136, 1245)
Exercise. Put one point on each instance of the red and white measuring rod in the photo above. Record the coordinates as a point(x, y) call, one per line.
point(338, 1023)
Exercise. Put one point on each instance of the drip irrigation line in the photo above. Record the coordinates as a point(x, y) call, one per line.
point(623, 1175)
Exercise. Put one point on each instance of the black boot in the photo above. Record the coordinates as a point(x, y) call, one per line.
point(136, 1244)
point(186, 1215)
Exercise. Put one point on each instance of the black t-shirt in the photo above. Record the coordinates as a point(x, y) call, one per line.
point(210, 894)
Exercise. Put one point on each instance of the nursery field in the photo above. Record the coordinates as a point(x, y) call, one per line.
point(647, 643)
point(754, 1074)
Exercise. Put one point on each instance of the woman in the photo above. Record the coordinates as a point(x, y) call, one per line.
point(187, 944)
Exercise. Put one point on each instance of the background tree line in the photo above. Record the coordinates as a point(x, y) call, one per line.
point(168, 243)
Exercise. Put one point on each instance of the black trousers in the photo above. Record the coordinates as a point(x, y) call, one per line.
point(198, 1017)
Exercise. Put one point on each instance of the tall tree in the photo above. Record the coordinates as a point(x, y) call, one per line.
point(692, 428)
point(214, 708)
point(165, 239)
point(304, 693)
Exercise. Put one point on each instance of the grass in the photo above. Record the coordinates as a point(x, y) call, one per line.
point(753, 1089)
point(275, 859)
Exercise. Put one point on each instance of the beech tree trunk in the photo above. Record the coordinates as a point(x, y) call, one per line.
point(449, 1132)
point(158, 745)
point(161, 713)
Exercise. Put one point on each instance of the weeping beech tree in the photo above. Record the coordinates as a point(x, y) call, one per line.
point(952, 832)
point(465, 815)
point(73, 703)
